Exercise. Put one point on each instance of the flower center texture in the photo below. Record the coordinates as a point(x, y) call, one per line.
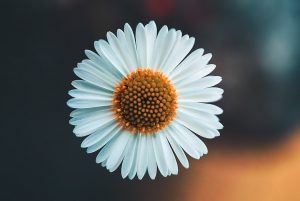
point(145, 101)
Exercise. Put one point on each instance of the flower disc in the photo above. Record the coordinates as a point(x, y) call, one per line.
point(145, 101)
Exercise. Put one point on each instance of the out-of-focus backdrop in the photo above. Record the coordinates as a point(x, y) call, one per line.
point(256, 47)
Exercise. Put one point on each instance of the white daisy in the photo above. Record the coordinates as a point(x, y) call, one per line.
point(142, 99)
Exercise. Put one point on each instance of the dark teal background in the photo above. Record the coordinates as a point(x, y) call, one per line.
point(255, 45)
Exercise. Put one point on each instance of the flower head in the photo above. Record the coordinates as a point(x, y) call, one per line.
point(141, 100)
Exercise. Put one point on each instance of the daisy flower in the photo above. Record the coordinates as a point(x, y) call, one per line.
point(143, 99)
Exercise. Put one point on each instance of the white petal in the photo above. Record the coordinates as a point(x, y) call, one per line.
point(209, 81)
point(93, 56)
point(117, 149)
point(102, 142)
point(127, 164)
point(128, 51)
point(192, 140)
point(209, 120)
point(205, 71)
point(203, 95)
point(175, 135)
point(103, 65)
point(118, 50)
point(200, 73)
point(145, 41)
point(167, 47)
point(159, 154)
point(141, 45)
point(92, 78)
point(203, 107)
point(123, 154)
point(118, 163)
point(104, 49)
point(152, 167)
point(87, 103)
point(104, 153)
point(98, 135)
point(142, 157)
point(89, 127)
point(131, 44)
point(103, 164)
point(81, 113)
point(196, 126)
point(182, 47)
point(199, 145)
point(158, 50)
point(77, 112)
point(105, 68)
point(88, 87)
point(193, 63)
point(89, 95)
point(169, 155)
point(134, 165)
point(151, 32)
point(133, 170)
point(186, 63)
point(89, 115)
point(177, 149)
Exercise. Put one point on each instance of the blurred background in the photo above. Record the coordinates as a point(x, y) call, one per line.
point(256, 47)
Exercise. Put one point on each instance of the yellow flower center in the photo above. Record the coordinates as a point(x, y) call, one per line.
point(145, 101)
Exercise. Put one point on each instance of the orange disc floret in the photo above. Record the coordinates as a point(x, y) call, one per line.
point(145, 101)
